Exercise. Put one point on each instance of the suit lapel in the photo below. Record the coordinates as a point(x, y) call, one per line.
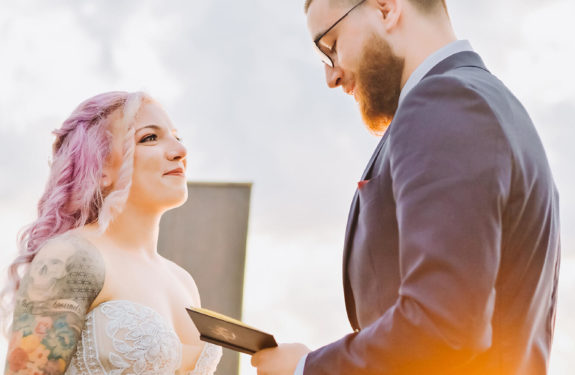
point(366, 172)
point(351, 222)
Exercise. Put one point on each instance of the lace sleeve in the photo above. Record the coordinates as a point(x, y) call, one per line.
point(208, 360)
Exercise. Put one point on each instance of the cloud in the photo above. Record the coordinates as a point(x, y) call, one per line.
point(243, 85)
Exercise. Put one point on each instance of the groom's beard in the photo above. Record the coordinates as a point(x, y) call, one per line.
point(379, 84)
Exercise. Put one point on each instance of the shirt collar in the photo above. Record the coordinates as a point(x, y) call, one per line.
point(430, 62)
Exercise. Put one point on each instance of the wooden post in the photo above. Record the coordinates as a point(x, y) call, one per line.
point(207, 237)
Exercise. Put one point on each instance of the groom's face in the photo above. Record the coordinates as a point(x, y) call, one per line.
point(364, 64)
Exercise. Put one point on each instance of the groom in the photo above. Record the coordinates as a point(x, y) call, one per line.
point(452, 247)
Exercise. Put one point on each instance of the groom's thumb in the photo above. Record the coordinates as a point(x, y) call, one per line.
point(256, 359)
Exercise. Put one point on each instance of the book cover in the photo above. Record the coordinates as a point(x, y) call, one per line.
point(230, 333)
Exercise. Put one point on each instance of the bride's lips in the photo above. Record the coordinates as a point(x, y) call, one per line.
point(175, 172)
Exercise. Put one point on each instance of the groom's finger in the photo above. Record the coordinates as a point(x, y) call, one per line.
point(257, 358)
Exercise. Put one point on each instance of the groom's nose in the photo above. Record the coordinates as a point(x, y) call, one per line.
point(333, 76)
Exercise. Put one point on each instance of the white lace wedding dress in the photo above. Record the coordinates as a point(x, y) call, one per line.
point(126, 338)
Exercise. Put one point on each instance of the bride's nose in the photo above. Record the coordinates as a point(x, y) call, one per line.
point(176, 151)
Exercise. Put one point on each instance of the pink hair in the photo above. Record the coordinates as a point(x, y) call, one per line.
point(73, 196)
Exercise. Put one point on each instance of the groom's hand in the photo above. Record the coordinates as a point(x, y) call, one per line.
point(282, 360)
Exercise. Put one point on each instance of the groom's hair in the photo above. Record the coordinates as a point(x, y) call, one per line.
point(426, 6)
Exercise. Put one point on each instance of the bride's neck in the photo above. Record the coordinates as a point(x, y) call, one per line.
point(135, 230)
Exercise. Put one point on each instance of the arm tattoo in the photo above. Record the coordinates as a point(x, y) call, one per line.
point(51, 304)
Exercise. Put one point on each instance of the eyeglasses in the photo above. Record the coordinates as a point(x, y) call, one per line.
point(324, 56)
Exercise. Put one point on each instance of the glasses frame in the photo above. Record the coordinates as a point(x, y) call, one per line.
point(324, 56)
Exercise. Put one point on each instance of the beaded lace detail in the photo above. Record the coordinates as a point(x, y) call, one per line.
point(124, 337)
point(208, 361)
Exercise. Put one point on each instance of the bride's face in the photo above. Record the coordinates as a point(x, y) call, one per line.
point(159, 176)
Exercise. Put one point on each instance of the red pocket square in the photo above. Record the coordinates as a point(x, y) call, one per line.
point(360, 184)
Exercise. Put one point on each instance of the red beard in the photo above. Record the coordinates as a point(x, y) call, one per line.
point(379, 84)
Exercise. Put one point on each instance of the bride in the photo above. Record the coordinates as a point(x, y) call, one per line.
point(88, 291)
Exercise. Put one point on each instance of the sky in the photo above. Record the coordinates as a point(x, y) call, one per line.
point(244, 87)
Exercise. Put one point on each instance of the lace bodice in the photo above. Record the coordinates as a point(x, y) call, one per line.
point(123, 337)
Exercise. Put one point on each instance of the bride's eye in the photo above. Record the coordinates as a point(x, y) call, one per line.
point(148, 138)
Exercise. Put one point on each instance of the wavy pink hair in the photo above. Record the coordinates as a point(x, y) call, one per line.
point(73, 196)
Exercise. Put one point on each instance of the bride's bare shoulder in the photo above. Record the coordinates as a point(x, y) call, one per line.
point(65, 267)
point(69, 242)
point(186, 279)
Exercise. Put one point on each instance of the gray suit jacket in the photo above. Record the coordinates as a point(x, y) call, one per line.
point(452, 246)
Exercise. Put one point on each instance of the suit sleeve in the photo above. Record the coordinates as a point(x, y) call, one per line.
point(451, 169)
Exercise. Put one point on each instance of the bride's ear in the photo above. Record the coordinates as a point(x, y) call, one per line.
point(106, 180)
point(110, 169)
point(105, 183)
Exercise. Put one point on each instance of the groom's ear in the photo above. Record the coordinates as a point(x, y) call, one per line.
point(390, 11)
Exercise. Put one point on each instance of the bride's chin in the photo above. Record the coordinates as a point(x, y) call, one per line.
point(180, 200)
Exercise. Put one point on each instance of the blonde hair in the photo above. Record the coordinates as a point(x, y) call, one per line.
point(116, 200)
